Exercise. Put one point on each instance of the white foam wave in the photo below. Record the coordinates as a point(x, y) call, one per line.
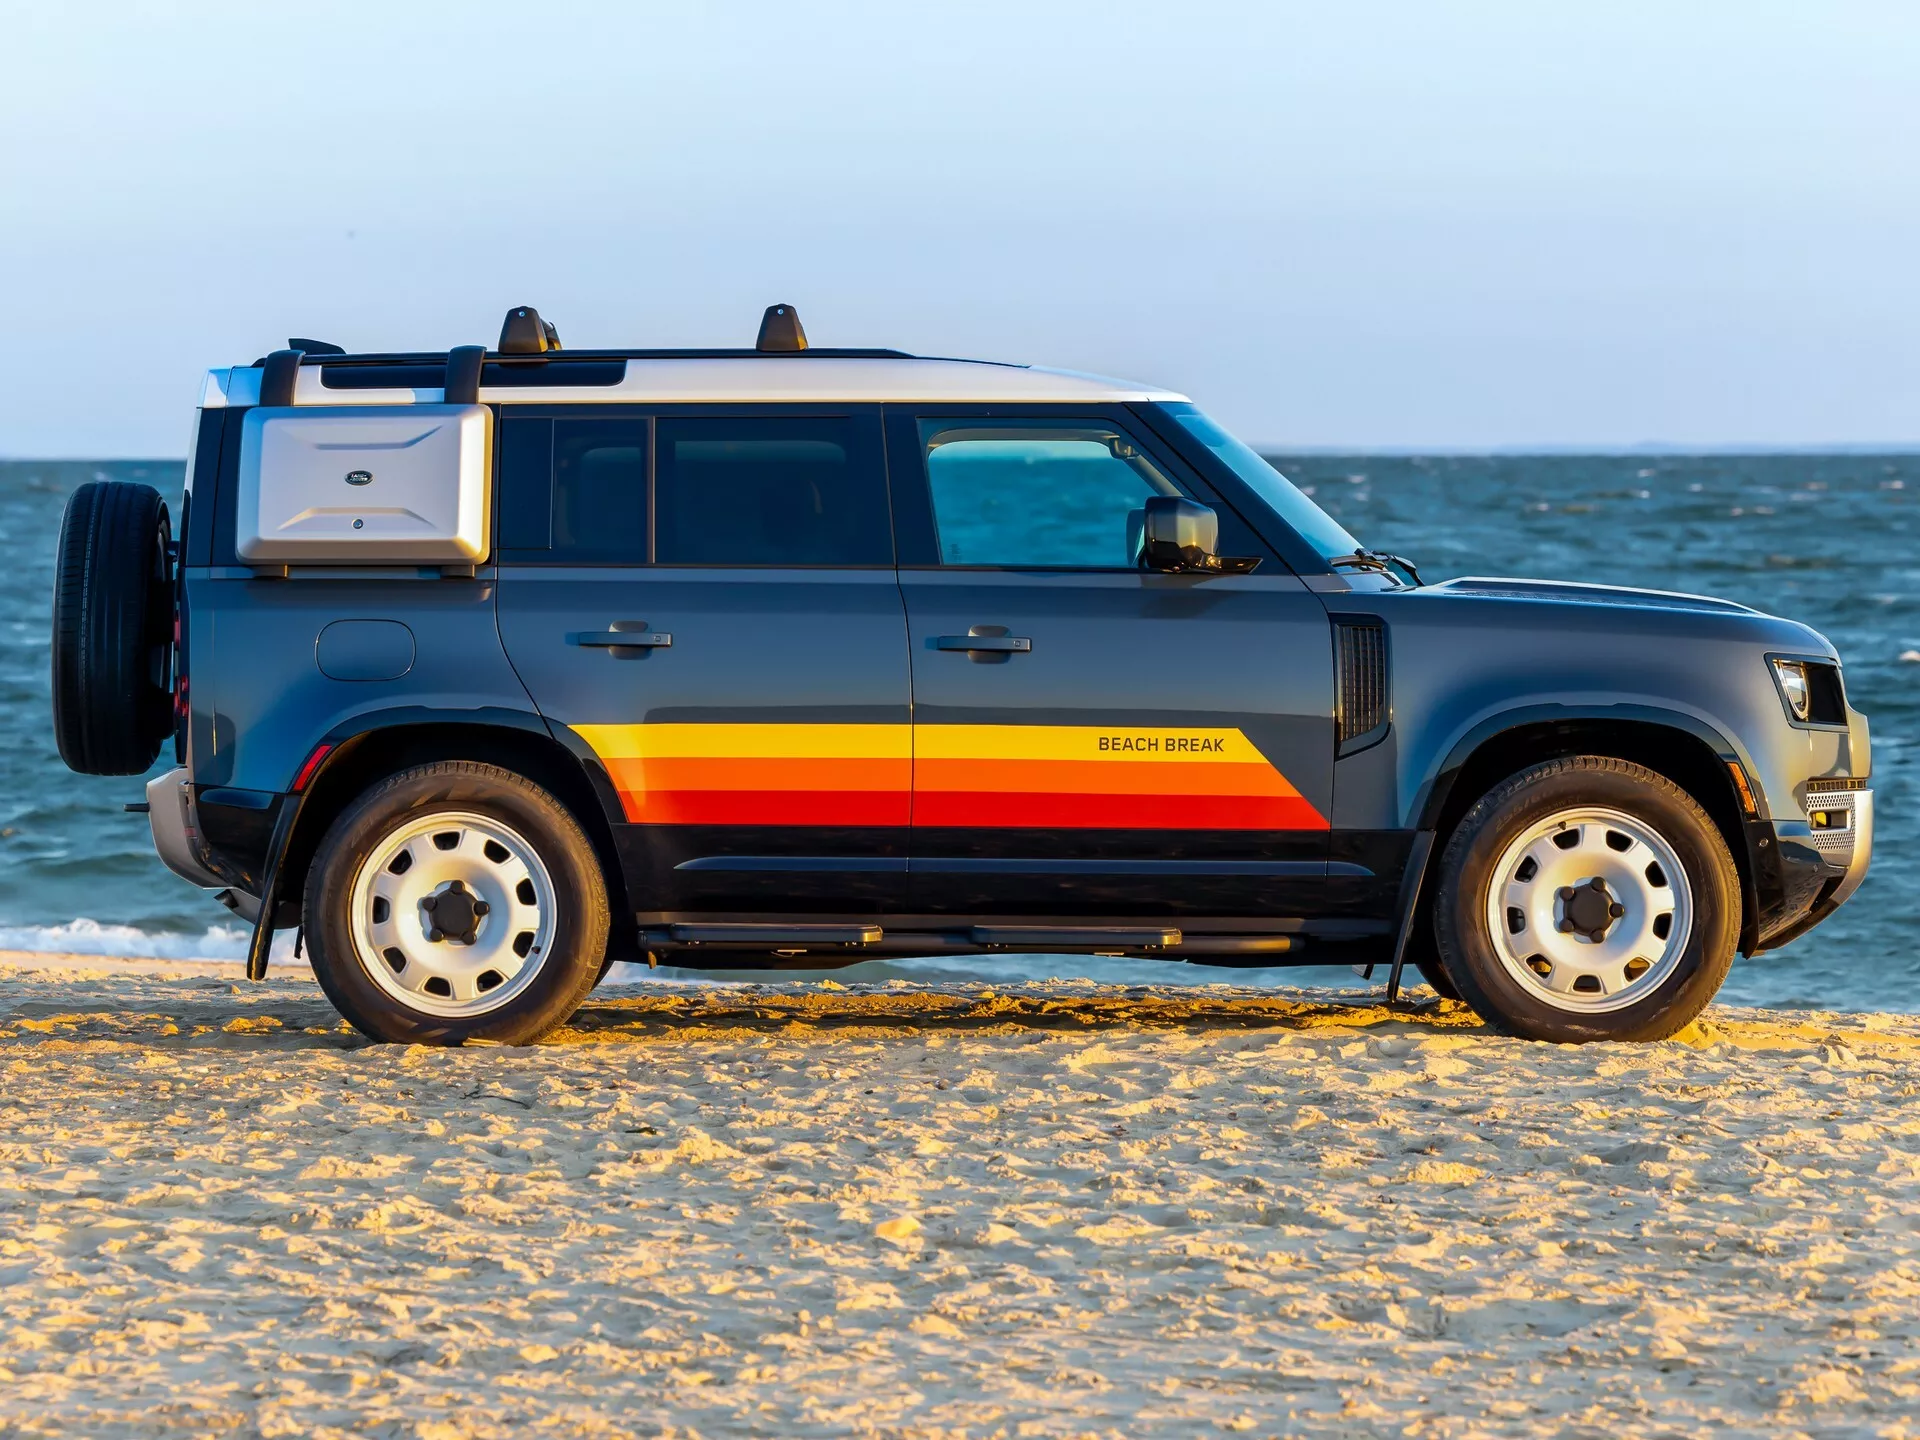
point(90, 937)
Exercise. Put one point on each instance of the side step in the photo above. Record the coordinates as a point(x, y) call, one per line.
point(769, 935)
point(787, 939)
point(1116, 937)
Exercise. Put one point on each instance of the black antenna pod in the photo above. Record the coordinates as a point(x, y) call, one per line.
point(780, 331)
point(525, 333)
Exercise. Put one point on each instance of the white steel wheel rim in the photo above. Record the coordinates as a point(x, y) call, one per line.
point(1528, 911)
point(480, 970)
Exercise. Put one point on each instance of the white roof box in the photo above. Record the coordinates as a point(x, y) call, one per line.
point(365, 485)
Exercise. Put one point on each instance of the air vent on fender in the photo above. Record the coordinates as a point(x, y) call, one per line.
point(1363, 704)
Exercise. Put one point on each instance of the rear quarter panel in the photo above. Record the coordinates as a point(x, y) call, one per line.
point(259, 700)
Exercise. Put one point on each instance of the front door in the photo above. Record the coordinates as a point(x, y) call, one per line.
point(705, 600)
point(1091, 738)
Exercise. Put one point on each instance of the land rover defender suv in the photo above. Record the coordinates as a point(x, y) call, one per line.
point(488, 668)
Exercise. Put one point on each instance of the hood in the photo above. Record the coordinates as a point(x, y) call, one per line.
point(1569, 592)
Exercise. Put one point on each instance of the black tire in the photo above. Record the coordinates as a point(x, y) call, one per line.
point(564, 974)
point(1435, 974)
point(113, 629)
point(1466, 872)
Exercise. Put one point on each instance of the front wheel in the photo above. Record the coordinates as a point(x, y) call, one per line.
point(456, 902)
point(1587, 899)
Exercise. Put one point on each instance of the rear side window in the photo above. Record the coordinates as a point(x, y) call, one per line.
point(778, 490)
point(693, 490)
point(600, 491)
point(574, 492)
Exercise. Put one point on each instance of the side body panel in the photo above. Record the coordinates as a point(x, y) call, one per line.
point(763, 758)
point(1156, 743)
point(758, 730)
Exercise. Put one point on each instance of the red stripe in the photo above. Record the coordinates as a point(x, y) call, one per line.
point(998, 811)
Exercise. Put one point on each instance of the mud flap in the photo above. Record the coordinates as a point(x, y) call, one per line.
point(270, 885)
point(1410, 880)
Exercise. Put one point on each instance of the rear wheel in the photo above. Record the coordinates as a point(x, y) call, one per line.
point(112, 629)
point(455, 902)
point(1587, 899)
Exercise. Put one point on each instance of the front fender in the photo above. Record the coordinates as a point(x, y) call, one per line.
point(1434, 781)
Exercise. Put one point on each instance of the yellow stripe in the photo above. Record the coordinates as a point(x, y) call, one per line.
point(769, 742)
point(1120, 744)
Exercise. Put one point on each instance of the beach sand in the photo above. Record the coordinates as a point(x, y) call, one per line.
point(1030, 1209)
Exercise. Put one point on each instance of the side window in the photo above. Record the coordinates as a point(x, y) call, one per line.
point(600, 491)
point(574, 492)
point(1041, 494)
point(773, 490)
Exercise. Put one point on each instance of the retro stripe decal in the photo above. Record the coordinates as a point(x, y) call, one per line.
point(988, 776)
point(759, 774)
point(1095, 777)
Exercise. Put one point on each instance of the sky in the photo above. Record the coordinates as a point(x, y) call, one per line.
point(1355, 225)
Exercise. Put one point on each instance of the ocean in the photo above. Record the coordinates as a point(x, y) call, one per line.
point(1827, 539)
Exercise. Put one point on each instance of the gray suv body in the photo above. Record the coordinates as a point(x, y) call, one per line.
point(795, 657)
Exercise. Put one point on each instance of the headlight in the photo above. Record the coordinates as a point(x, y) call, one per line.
point(1792, 677)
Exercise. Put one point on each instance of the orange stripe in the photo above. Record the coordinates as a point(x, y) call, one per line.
point(1000, 811)
point(1168, 778)
point(767, 807)
point(737, 773)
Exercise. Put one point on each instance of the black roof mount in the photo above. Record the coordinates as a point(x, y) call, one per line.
point(315, 347)
point(780, 331)
point(278, 374)
point(464, 363)
point(525, 333)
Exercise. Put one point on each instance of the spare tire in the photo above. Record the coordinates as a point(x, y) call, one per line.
point(113, 629)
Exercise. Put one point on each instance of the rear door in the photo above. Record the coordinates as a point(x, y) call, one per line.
point(756, 723)
point(1090, 738)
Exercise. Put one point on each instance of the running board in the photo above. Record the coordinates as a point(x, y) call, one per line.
point(773, 936)
point(1162, 941)
point(1116, 937)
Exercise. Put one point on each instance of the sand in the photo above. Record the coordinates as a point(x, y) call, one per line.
point(1038, 1209)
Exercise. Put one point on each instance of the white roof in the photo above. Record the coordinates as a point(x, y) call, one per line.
point(795, 379)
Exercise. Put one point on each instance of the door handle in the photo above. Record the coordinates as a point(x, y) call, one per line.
point(637, 637)
point(996, 644)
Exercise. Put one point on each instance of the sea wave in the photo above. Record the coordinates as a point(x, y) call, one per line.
point(90, 937)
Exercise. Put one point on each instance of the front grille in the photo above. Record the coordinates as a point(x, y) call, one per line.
point(1363, 705)
point(1833, 816)
point(1837, 782)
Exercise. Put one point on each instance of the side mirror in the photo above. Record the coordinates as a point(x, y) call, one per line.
point(1179, 535)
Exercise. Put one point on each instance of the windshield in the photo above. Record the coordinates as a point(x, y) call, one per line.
point(1315, 526)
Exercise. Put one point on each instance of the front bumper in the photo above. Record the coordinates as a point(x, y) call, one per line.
point(1807, 870)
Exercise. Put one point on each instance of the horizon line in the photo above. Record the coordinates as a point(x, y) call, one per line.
point(1268, 450)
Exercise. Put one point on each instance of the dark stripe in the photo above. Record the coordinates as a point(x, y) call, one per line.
point(972, 865)
point(816, 864)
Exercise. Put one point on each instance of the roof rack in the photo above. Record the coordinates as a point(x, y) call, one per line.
point(527, 340)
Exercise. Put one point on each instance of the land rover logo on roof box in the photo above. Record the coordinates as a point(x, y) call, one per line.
point(359, 477)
